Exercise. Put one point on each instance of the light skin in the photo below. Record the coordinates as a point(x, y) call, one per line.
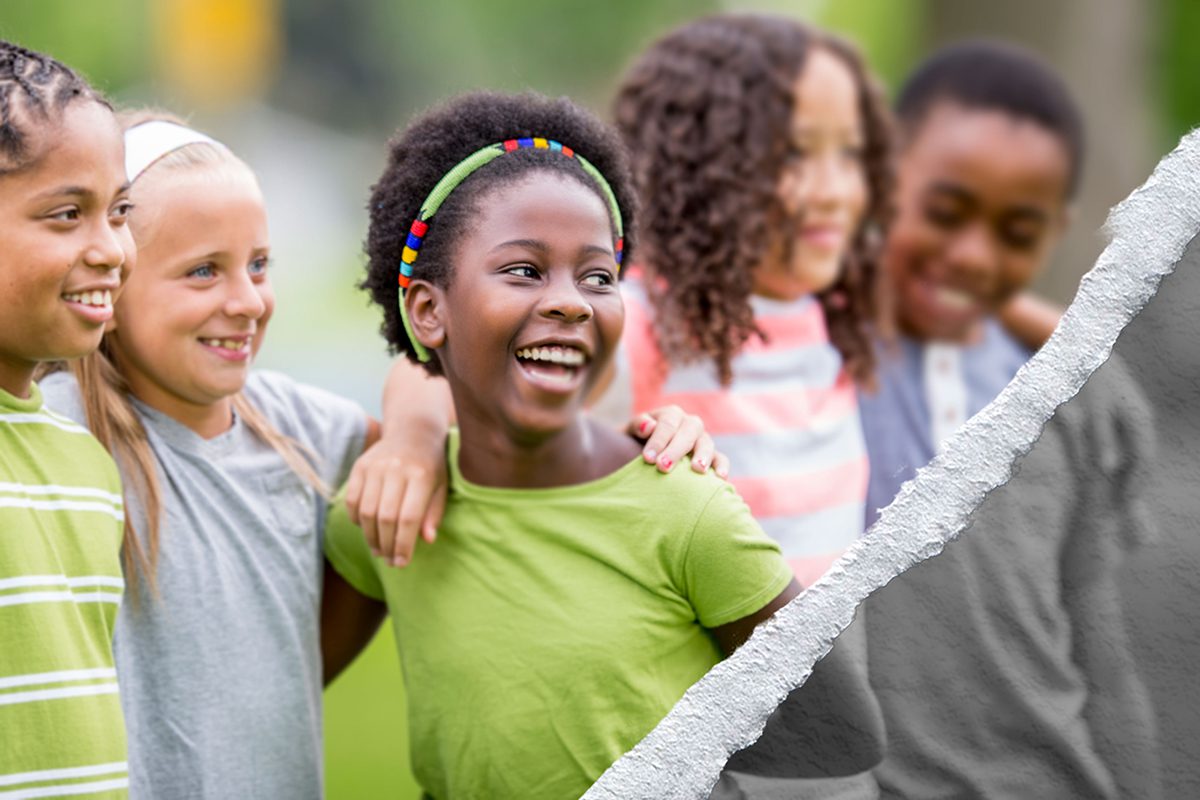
point(66, 242)
point(823, 188)
point(981, 202)
point(535, 270)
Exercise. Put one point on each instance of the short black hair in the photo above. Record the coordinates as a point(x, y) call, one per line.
point(34, 90)
point(437, 140)
point(993, 75)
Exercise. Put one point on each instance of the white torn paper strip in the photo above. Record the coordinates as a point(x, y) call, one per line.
point(726, 710)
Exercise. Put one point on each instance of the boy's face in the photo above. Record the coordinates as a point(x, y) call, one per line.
point(981, 200)
point(63, 243)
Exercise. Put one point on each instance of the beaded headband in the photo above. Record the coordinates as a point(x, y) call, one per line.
point(458, 174)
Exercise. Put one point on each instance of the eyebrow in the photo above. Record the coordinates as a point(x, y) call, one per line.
point(63, 191)
point(959, 193)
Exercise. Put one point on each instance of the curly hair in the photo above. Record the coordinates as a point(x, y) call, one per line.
point(706, 114)
point(420, 156)
point(33, 88)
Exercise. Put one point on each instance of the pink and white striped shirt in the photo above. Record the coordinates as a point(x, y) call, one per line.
point(788, 422)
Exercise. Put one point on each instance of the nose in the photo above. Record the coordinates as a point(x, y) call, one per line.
point(109, 247)
point(973, 254)
point(834, 179)
point(244, 297)
point(563, 301)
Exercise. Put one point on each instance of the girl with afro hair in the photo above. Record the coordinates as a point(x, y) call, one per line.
point(574, 592)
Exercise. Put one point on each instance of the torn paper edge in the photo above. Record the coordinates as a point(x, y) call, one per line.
point(727, 709)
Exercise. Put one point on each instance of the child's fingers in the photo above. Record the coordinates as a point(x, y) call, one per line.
point(667, 422)
point(417, 498)
point(354, 488)
point(702, 453)
point(641, 426)
point(721, 465)
point(687, 436)
point(391, 497)
point(368, 511)
point(433, 517)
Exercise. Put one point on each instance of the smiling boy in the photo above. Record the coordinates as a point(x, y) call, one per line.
point(1001, 665)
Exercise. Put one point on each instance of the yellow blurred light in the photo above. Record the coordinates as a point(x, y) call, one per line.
point(217, 52)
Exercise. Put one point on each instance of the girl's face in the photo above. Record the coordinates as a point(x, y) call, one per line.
point(532, 312)
point(823, 188)
point(64, 243)
point(194, 313)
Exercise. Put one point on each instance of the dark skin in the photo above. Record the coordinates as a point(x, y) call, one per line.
point(536, 272)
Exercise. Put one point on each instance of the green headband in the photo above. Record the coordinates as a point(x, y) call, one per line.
point(458, 174)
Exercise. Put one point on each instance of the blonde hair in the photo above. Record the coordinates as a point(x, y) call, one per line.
point(106, 396)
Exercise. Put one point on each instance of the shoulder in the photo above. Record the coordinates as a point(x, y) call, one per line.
point(290, 404)
point(60, 391)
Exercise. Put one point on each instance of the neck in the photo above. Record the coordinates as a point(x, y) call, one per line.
point(492, 455)
point(207, 420)
point(16, 377)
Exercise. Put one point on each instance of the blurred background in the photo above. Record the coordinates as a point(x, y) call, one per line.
point(309, 91)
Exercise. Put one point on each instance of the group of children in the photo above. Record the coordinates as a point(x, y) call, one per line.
point(724, 255)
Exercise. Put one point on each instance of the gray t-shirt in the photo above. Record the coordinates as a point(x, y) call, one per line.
point(221, 673)
point(1002, 664)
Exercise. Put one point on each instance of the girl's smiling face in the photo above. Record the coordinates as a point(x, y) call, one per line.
point(194, 313)
point(63, 243)
point(823, 189)
point(532, 312)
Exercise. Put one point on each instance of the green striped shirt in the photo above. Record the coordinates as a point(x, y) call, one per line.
point(61, 517)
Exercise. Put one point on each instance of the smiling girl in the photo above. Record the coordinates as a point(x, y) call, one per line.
point(575, 592)
point(64, 245)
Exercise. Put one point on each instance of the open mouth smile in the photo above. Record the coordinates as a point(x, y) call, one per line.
point(232, 349)
point(555, 368)
point(95, 305)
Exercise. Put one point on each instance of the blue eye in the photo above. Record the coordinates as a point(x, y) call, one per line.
point(259, 266)
point(202, 271)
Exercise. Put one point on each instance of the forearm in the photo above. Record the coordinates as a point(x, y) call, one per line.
point(349, 621)
point(414, 399)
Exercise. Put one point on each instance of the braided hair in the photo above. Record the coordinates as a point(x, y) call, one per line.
point(35, 89)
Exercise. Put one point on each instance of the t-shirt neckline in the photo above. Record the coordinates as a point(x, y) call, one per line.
point(22, 405)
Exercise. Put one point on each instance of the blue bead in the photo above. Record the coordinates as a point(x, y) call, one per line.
point(525, 142)
point(556, 146)
point(414, 242)
point(406, 269)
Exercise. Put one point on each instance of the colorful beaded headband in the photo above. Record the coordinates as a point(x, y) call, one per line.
point(458, 174)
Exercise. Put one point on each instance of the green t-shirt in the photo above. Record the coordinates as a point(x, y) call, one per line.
point(547, 631)
point(61, 517)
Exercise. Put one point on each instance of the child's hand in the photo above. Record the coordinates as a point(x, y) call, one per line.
point(396, 490)
point(671, 433)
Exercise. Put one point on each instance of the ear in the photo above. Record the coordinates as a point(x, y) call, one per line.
point(425, 305)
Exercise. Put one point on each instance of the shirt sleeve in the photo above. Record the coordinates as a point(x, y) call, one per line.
point(731, 569)
point(332, 427)
point(347, 551)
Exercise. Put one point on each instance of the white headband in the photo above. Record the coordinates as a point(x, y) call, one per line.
point(150, 141)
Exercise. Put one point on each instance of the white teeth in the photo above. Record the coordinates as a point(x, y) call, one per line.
point(99, 298)
point(953, 298)
point(567, 356)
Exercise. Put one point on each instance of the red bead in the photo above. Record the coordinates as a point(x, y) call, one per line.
point(510, 145)
point(404, 281)
point(568, 152)
point(418, 228)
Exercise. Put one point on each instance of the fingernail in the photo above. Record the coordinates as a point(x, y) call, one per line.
point(699, 462)
point(666, 463)
point(651, 456)
point(645, 424)
point(399, 561)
